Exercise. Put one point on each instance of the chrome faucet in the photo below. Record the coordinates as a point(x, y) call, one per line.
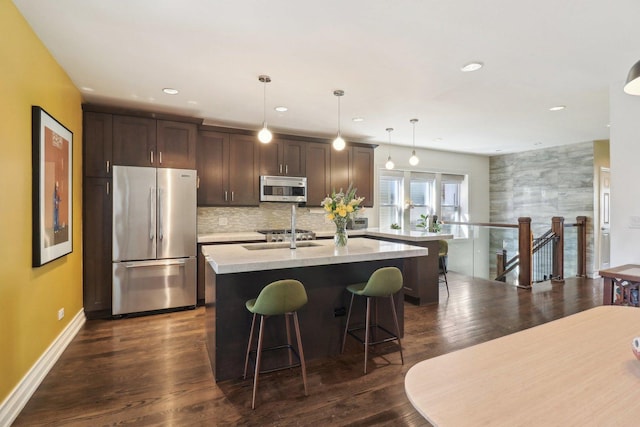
point(293, 227)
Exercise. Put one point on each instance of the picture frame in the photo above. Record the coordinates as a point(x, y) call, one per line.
point(52, 188)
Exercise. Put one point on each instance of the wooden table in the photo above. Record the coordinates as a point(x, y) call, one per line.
point(615, 277)
point(578, 370)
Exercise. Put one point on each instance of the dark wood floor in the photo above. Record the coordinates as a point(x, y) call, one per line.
point(154, 370)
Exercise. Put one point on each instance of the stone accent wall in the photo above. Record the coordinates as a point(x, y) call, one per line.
point(540, 184)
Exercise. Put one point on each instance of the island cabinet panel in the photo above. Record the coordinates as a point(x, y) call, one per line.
point(322, 319)
point(362, 173)
point(98, 142)
point(176, 144)
point(96, 239)
point(421, 278)
point(318, 168)
point(283, 157)
point(134, 141)
point(228, 172)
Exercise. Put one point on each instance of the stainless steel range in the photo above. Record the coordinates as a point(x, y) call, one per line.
point(284, 235)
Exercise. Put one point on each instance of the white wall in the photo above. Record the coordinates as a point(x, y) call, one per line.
point(625, 176)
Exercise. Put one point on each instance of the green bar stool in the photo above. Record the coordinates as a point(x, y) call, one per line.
point(384, 282)
point(283, 297)
point(442, 261)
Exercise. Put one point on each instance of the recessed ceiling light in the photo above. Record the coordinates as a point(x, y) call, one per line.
point(437, 140)
point(281, 109)
point(471, 66)
point(192, 102)
point(170, 91)
point(558, 108)
point(608, 125)
point(87, 89)
point(358, 119)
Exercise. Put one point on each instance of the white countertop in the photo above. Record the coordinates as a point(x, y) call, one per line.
point(251, 236)
point(407, 235)
point(238, 236)
point(237, 258)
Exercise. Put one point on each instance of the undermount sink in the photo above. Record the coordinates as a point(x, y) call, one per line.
point(278, 245)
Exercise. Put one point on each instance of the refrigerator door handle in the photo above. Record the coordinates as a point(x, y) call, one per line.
point(152, 225)
point(160, 215)
point(161, 263)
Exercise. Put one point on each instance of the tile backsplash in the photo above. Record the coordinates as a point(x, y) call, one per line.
point(267, 215)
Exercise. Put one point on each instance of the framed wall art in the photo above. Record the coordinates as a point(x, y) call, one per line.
point(52, 147)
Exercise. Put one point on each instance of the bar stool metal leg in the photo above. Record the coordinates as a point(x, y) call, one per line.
point(258, 359)
point(246, 359)
point(395, 320)
point(366, 333)
point(301, 352)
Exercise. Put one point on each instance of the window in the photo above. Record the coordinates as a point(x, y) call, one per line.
point(422, 195)
point(405, 195)
point(450, 197)
point(391, 199)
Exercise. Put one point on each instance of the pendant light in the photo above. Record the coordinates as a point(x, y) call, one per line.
point(632, 86)
point(414, 160)
point(265, 134)
point(389, 164)
point(338, 143)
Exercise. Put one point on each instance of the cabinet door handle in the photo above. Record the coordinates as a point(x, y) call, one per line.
point(107, 188)
point(108, 165)
point(198, 182)
point(160, 157)
point(286, 169)
point(225, 196)
point(280, 169)
point(151, 153)
point(232, 196)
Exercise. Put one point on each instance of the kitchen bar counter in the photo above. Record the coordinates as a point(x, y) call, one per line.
point(239, 258)
point(234, 274)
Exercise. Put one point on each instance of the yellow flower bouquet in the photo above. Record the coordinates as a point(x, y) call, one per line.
point(341, 207)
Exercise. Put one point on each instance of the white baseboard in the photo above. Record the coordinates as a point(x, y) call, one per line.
point(20, 395)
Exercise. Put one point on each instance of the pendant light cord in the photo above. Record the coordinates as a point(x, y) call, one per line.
point(264, 107)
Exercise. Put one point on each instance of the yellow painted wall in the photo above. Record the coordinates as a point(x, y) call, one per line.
point(30, 297)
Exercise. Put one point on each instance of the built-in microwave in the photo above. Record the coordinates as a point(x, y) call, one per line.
point(283, 189)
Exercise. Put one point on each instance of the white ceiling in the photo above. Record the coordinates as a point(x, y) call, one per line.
point(395, 60)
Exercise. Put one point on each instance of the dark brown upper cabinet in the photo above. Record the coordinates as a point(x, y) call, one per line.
point(228, 171)
point(283, 157)
point(318, 172)
point(362, 173)
point(142, 141)
point(98, 142)
point(176, 144)
point(134, 141)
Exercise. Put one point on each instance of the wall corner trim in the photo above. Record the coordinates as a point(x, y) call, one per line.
point(20, 395)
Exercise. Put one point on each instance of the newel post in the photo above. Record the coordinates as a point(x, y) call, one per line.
point(501, 259)
point(525, 243)
point(557, 227)
point(582, 246)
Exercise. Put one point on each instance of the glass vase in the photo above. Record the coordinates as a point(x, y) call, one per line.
point(341, 238)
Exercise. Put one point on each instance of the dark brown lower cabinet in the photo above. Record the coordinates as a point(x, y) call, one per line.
point(96, 242)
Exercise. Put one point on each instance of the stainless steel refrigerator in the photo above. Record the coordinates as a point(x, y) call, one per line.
point(154, 239)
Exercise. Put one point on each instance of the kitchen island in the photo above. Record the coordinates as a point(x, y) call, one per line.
point(422, 278)
point(236, 273)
